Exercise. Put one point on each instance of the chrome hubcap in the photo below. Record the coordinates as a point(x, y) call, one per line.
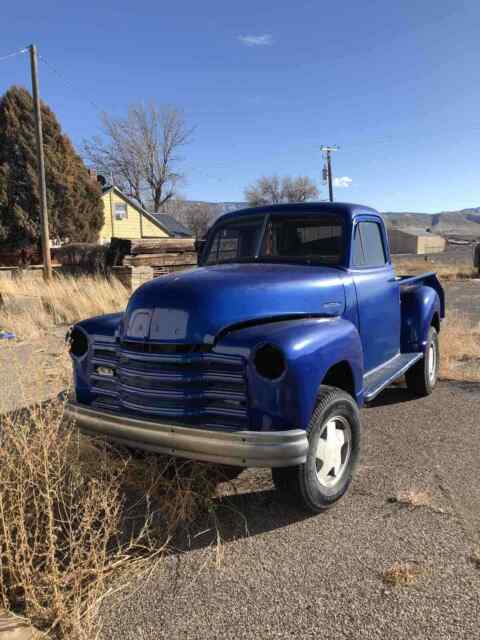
point(333, 451)
point(432, 362)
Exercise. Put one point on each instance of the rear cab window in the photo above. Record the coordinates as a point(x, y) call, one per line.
point(316, 239)
point(305, 239)
point(236, 241)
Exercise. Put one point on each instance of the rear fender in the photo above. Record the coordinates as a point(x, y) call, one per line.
point(311, 347)
point(419, 306)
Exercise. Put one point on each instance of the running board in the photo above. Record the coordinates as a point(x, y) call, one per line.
point(377, 380)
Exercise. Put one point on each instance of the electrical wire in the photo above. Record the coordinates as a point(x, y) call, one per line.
point(14, 53)
point(68, 83)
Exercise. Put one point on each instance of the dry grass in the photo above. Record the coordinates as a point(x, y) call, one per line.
point(460, 349)
point(31, 308)
point(60, 523)
point(74, 513)
point(402, 574)
point(460, 270)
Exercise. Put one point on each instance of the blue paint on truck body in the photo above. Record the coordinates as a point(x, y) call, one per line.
point(184, 350)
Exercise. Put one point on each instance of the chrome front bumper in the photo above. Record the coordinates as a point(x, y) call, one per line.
point(239, 448)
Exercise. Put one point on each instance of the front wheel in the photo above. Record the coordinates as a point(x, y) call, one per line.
point(334, 446)
point(422, 377)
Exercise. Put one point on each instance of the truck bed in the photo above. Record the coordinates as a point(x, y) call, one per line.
point(428, 279)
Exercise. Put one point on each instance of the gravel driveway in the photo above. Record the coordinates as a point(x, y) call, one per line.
point(316, 577)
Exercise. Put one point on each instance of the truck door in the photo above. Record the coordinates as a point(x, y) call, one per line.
point(378, 293)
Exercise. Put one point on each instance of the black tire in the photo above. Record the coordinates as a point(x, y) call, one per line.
point(420, 379)
point(303, 481)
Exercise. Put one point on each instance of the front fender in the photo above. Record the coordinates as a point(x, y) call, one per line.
point(419, 306)
point(311, 347)
point(104, 326)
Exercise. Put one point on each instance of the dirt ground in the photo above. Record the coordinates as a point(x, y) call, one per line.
point(453, 254)
point(464, 296)
point(279, 573)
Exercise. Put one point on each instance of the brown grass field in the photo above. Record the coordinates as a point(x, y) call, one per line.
point(31, 308)
point(461, 269)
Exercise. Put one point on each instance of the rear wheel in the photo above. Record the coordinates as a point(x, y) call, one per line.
point(334, 445)
point(422, 377)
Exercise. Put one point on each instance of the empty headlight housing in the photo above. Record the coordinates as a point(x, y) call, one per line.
point(269, 362)
point(78, 342)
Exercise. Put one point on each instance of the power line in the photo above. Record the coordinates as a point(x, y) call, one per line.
point(53, 70)
point(68, 83)
point(14, 53)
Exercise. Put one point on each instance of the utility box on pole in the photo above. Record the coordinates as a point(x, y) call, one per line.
point(328, 159)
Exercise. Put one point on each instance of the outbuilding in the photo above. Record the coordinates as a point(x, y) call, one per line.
point(412, 242)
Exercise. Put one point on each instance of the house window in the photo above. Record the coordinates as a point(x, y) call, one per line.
point(121, 210)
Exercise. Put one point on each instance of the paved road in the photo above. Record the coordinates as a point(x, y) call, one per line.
point(293, 576)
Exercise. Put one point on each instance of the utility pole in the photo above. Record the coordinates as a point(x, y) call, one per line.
point(47, 265)
point(327, 155)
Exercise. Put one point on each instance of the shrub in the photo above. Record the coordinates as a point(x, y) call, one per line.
point(88, 258)
point(75, 207)
point(60, 516)
point(74, 512)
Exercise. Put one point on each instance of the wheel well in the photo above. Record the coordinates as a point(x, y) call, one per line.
point(436, 322)
point(340, 376)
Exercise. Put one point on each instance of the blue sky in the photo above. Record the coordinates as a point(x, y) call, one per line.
point(395, 84)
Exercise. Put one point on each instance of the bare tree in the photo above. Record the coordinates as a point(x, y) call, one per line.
point(272, 189)
point(141, 151)
point(196, 216)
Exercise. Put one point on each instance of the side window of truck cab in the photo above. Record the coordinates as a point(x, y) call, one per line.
point(368, 247)
point(378, 293)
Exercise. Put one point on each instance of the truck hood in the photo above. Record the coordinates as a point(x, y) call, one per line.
point(194, 306)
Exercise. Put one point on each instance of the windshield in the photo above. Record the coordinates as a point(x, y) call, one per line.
point(314, 239)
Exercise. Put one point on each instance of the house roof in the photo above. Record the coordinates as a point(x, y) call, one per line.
point(137, 206)
point(174, 227)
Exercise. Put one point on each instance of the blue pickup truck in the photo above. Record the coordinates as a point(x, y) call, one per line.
point(262, 356)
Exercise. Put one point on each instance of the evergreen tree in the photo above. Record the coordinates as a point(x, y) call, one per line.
point(75, 208)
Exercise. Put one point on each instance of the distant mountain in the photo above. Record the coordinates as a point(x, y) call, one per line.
point(465, 222)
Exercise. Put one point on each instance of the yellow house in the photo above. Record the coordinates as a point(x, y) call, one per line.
point(124, 218)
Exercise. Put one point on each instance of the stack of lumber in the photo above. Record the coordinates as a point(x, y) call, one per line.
point(164, 255)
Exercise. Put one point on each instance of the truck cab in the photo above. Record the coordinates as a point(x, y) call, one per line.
point(263, 355)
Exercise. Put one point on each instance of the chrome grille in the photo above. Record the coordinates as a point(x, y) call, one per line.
point(189, 385)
